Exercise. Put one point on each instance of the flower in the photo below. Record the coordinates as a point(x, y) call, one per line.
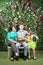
point(10, 3)
point(40, 29)
point(15, 18)
point(6, 29)
point(16, 21)
point(12, 7)
point(41, 18)
point(7, 3)
point(27, 19)
point(0, 10)
point(29, 10)
point(17, 12)
point(29, 15)
point(15, 6)
point(16, 2)
point(19, 16)
point(33, 14)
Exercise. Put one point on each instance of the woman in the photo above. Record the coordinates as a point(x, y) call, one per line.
point(31, 44)
point(11, 39)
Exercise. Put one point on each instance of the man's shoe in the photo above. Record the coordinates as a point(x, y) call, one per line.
point(17, 58)
point(25, 57)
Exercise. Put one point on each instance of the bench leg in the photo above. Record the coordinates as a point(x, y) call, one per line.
point(9, 52)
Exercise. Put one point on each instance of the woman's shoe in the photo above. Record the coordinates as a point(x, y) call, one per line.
point(12, 59)
point(29, 58)
point(34, 58)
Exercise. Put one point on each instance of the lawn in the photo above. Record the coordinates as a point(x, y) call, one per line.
point(5, 61)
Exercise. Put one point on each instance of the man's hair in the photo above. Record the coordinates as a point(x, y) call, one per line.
point(22, 24)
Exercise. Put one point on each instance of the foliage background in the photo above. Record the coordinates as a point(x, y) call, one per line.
point(31, 15)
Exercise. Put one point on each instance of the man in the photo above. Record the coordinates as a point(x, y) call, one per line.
point(21, 35)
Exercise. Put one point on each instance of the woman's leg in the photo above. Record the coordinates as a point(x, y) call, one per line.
point(34, 53)
point(28, 52)
point(13, 45)
point(13, 49)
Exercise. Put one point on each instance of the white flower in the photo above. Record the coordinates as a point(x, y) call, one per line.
point(6, 29)
point(27, 19)
point(29, 22)
point(29, 15)
point(9, 17)
point(33, 14)
point(24, 11)
point(17, 2)
point(7, 3)
point(29, 10)
point(0, 10)
point(17, 12)
point(15, 21)
point(14, 10)
point(10, 3)
point(15, 18)
point(15, 6)
point(38, 9)
point(28, 7)
point(29, 28)
point(19, 16)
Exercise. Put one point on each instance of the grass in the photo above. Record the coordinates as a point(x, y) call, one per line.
point(5, 61)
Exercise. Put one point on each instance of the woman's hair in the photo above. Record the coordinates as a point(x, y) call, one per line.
point(10, 28)
point(30, 31)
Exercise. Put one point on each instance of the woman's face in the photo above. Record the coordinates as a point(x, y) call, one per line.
point(30, 32)
point(13, 28)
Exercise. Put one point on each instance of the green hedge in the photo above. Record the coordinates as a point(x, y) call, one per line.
point(26, 15)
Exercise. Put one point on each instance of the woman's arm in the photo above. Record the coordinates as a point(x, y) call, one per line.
point(9, 38)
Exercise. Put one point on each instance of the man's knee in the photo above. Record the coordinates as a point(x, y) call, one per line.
point(17, 45)
point(25, 45)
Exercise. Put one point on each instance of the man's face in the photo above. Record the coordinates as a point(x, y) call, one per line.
point(21, 27)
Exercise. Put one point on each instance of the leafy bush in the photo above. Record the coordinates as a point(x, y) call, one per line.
point(25, 11)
